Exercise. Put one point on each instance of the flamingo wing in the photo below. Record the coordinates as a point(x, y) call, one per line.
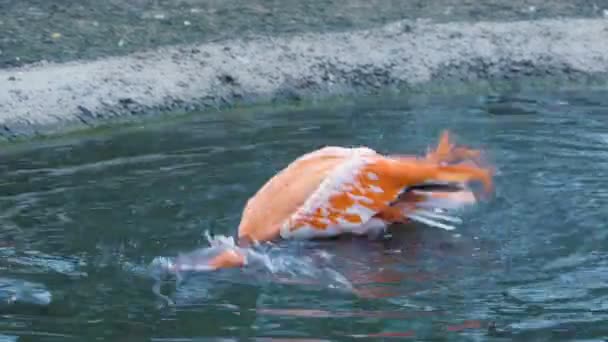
point(289, 189)
point(364, 191)
point(346, 201)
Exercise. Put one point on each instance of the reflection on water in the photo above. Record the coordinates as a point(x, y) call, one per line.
point(87, 225)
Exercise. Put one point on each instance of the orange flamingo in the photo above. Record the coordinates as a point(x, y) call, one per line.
point(336, 190)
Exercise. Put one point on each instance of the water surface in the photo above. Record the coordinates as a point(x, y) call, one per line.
point(81, 220)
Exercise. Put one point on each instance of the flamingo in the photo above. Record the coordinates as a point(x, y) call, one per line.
point(336, 190)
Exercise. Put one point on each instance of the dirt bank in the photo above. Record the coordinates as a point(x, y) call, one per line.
point(65, 30)
point(46, 97)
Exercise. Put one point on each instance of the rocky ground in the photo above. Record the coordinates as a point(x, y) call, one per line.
point(234, 52)
point(61, 30)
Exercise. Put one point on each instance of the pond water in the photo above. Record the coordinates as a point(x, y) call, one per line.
point(81, 221)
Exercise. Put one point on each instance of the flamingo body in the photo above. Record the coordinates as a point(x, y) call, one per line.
point(339, 190)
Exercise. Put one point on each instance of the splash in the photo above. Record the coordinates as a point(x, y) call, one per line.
point(14, 291)
point(265, 262)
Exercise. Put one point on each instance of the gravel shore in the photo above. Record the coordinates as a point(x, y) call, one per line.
point(49, 97)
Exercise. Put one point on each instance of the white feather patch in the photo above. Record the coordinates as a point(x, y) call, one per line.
point(342, 179)
point(430, 222)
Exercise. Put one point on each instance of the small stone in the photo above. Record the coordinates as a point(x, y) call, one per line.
point(227, 79)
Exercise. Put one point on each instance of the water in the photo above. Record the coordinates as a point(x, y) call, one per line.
point(82, 219)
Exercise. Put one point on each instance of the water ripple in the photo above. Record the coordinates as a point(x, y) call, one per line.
point(80, 222)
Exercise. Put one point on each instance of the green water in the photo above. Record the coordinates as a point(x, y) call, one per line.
point(81, 220)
